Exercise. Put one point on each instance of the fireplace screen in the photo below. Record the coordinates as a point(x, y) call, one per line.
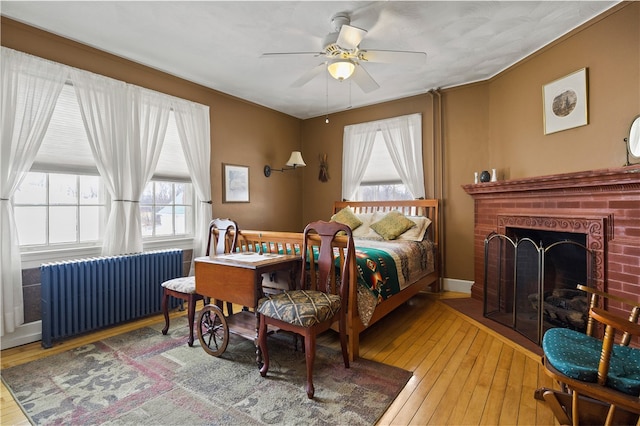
point(531, 277)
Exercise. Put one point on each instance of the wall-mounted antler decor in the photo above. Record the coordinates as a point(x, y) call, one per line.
point(324, 173)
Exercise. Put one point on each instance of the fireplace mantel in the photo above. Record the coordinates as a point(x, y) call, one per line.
point(611, 196)
point(598, 180)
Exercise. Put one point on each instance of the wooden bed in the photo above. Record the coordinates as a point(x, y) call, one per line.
point(279, 242)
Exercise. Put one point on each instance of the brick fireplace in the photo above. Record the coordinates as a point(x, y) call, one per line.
point(602, 204)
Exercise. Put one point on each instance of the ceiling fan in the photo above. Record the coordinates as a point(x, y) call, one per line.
point(343, 57)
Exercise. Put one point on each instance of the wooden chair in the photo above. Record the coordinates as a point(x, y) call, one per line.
point(600, 379)
point(320, 300)
point(184, 288)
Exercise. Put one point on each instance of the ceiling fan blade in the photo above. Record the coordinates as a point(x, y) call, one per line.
point(289, 54)
point(309, 75)
point(350, 37)
point(393, 57)
point(364, 80)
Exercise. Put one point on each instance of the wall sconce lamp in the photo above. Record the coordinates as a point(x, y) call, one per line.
point(294, 161)
point(341, 69)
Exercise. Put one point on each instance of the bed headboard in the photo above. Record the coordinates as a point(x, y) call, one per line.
point(427, 208)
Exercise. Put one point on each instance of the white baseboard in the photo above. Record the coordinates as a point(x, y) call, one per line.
point(459, 286)
point(26, 333)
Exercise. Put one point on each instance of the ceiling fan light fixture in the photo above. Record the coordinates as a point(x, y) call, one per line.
point(341, 69)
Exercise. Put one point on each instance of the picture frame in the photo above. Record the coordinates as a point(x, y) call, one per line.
point(565, 102)
point(235, 183)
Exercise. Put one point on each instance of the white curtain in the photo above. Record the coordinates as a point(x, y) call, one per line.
point(125, 126)
point(150, 115)
point(194, 129)
point(357, 145)
point(30, 88)
point(403, 138)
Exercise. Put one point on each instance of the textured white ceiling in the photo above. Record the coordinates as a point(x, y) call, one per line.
point(218, 43)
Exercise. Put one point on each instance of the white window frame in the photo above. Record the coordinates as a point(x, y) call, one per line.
point(47, 204)
point(191, 220)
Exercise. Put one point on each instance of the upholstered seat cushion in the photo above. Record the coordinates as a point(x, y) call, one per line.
point(577, 355)
point(300, 307)
point(185, 285)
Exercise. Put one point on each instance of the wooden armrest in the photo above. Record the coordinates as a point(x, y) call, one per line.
point(634, 313)
point(612, 323)
point(615, 321)
point(608, 296)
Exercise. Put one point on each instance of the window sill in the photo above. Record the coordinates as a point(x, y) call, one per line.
point(33, 259)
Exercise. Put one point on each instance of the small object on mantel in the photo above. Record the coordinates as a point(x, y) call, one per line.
point(485, 176)
point(494, 175)
point(475, 177)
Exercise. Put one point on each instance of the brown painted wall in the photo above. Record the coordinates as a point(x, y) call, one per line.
point(610, 49)
point(241, 132)
point(498, 124)
point(466, 128)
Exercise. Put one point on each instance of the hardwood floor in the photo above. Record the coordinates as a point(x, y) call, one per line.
point(464, 373)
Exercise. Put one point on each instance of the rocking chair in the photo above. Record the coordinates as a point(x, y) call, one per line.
point(600, 379)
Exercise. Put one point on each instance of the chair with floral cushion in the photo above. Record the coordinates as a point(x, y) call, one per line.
point(184, 288)
point(321, 298)
point(599, 378)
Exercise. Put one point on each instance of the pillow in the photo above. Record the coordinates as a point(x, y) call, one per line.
point(347, 217)
point(392, 225)
point(418, 232)
point(364, 231)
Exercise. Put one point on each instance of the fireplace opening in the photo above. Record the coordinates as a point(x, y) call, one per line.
point(531, 277)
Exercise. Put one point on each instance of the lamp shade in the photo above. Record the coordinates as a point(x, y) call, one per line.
point(341, 69)
point(296, 160)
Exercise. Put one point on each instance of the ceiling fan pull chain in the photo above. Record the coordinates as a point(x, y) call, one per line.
point(326, 79)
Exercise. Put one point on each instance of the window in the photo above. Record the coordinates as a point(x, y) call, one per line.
point(62, 202)
point(383, 159)
point(383, 192)
point(58, 209)
point(166, 209)
point(166, 206)
point(381, 180)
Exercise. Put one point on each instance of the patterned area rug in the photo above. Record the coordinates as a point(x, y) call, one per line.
point(143, 377)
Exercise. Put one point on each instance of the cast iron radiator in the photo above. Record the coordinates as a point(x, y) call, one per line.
point(89, 294)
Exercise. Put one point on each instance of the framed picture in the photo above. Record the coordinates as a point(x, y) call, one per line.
point(565, 102)
point(235, 183)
